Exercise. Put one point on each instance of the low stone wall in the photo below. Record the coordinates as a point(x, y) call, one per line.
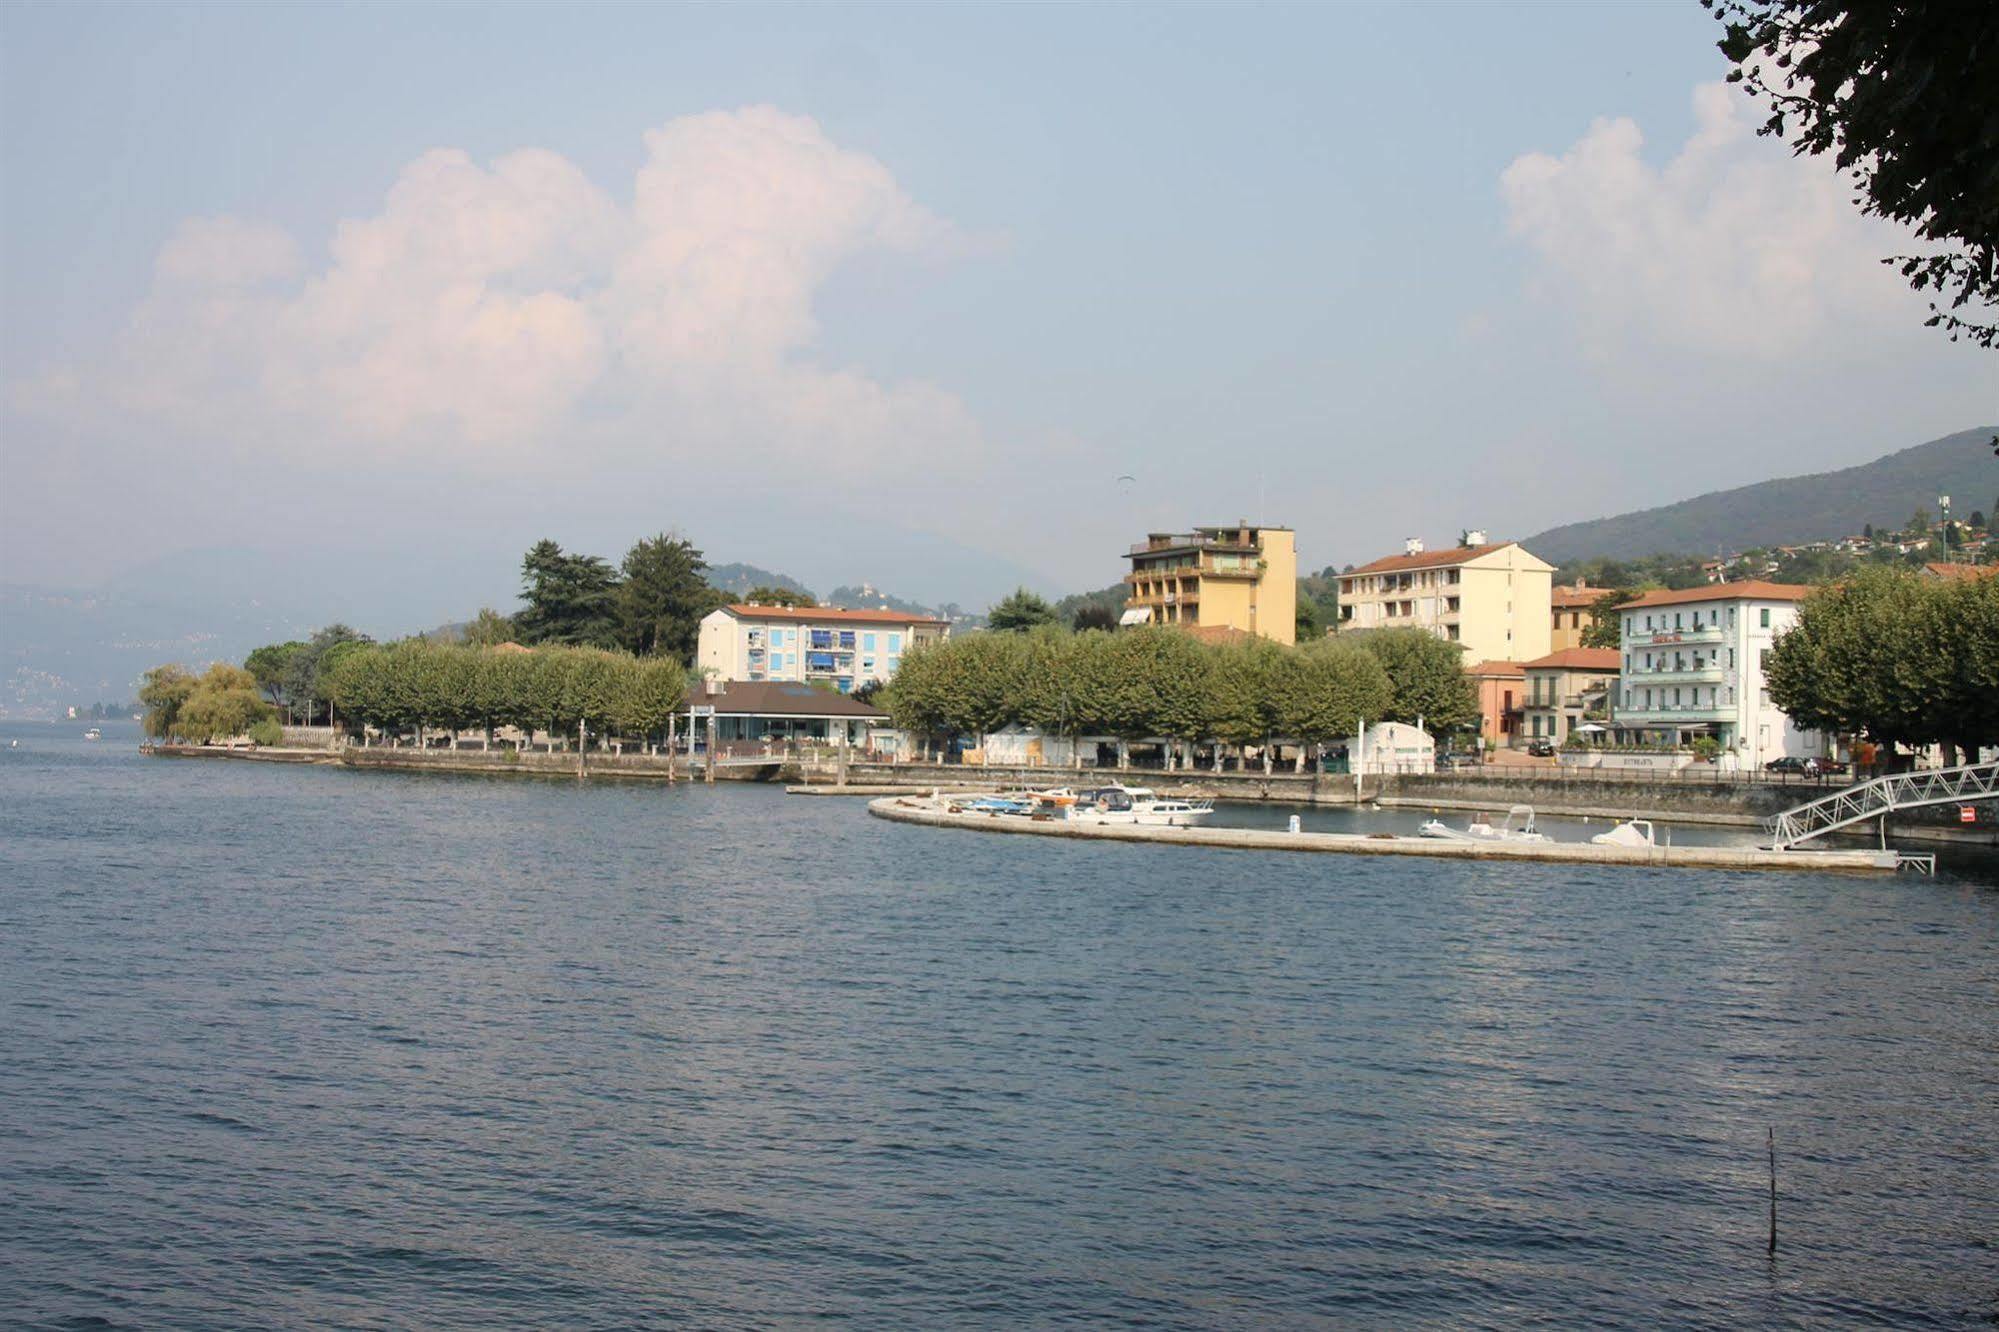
point(1576, 791)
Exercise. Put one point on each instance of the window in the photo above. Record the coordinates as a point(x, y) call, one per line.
point(1763, 618)
point(1731, 659)
point(894, 644)
point(867, 665)
point(1763, 659)
point(893, 662)
point(1676, 619)
point(867, 642)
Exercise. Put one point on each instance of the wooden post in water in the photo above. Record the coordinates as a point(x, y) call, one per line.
point(580, 745)
point(670, 740)
point(1772, 1132)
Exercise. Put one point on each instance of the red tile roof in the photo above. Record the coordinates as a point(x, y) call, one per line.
point(1564, 597)
point(1502, 669)
point(1955, 571)
point(1754, 589)
point(825, 615)
point(1577, 659)
point(1429, 559)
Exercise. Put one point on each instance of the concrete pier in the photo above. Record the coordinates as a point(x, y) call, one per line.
point(933, 813)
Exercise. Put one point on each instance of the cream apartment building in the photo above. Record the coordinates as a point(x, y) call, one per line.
point(1493, 597)
point(843, 648)
point(1241, 577)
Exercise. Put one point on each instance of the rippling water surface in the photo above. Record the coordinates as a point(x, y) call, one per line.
point(288, 1046)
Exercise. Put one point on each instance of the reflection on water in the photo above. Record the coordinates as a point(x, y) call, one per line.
point(298, 1045)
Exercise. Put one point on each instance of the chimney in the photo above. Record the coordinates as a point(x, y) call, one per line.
point(1474, 536)
point(712, 686)
point(1413, 546)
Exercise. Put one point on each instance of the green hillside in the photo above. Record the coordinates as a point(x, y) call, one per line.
point(1796, 509)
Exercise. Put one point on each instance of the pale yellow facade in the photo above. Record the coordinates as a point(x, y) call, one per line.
point(1239, 577)
point(1492, 598)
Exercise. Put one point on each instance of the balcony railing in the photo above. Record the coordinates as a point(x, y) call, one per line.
point(1662, 637)
point(1690, 675)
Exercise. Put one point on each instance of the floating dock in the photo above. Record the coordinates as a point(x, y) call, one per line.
point(934, 812)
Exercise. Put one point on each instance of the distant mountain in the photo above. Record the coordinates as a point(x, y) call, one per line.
point(741, 578)
point(1796, 509)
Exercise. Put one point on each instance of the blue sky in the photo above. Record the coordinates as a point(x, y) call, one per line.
point(1368, 271)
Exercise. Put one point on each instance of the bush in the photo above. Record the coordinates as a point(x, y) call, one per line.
point(268, 733)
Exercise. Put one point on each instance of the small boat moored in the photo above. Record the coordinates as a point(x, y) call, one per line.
point(1518, 826)
point(1632, 832)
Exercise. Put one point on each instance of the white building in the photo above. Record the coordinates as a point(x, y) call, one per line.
point(1692, 667)
point(843, 648)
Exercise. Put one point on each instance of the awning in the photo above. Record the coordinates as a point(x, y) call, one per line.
point(1136, 615)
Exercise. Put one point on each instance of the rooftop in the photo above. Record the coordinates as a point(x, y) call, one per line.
point(1580, 597)
point(1754, 589)
point(825, 615)
point(1957, 571)
point(1430, 559)
point(1577, 659)
point(1497, 669)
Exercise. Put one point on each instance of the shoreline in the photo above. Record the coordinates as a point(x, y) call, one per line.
point(1651, 802)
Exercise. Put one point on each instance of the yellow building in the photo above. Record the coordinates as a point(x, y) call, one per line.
point(1239, 577)
point(1569, 614)
point(1493, 597)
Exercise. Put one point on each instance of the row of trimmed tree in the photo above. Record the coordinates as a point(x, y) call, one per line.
point(1898, 657)
point(1157, 683)
point(415, 686)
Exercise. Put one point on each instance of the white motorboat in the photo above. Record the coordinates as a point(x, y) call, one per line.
point(1138, 805)
point(1518, 826)
point(93, 734)
point(1632, 832)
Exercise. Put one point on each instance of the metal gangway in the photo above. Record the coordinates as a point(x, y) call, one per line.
point(1881, 797)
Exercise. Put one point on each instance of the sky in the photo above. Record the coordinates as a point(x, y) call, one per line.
point(373, 297)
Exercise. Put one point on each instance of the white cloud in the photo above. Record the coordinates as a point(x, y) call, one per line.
point(1734, 246)
point(515, 309)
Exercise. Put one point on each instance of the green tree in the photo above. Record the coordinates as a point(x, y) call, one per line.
point(663, 598)
point(163, 692)
point(1604, 629)
point(1021, 610)
point(305, 676)
point(1905, 98)
point(570, 599)
point(489, 628)
point(271, 666)
point(223, 704)
point(1427, 676)
point(1896, 656)
point(779, 596)
point(1093, 615)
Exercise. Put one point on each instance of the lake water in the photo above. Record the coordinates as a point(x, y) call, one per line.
point(290, 1046)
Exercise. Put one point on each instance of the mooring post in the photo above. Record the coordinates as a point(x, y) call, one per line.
point(1772, 1132)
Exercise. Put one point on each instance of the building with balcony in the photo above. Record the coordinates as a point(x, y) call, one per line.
point(1568, 613)
point(1492, 597)
point(1242, 577)
point(1691, 666)
point(810, 644)
point(1568, 687)
point(1502, 701)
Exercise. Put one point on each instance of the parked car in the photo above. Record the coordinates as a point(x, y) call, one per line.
point(1832, 767)
point(1541, 748)
point(1789, 763)
point(1452, 758)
